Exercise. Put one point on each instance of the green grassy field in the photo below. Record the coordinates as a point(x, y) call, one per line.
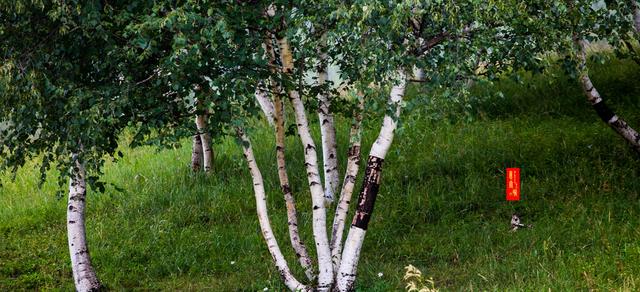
point(441, 205)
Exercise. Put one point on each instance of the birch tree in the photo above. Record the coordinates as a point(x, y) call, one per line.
point(327, 127)
point(265, 225)
point(196, 153)
point(594, 97)
point(51, 112)
point(292, 213)
point(430, 36)
point(636, 16)
point(54, 89)
point(589, 23)
point(442, 39)
point(225, 61)
point(70, 86)
point(569, 27)
point(205, 141)
point(84, 275)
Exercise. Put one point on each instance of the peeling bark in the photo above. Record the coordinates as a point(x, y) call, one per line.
point(207, 151)
point(366, 200)
point(325, 275)
point(604, 112)
point(328, 134)
point(84, 276)
point(353, 164)
point(196, 154)
point(263, 217)
point(292, 214)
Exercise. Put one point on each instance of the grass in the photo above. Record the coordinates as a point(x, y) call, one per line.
point(441, 205)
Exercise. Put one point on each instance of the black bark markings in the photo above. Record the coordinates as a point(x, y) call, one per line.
point(369, 192)
point(590, 88)
point(82, 251)
point(604, 112)
point(354, 151)
point(286, 189)
point(619, 125)
point(309, 147)
point(77, 198)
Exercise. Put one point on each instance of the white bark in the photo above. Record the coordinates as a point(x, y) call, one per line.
point(353, 163)
point(606, 114)
point(196, 153)
point(383, 142)
point(636, 16)
point(261, 95)
point(328, 135)
point(265, 103)
point(263, 217)
point(207, 151)
point(351, 253)
point(325, 275)
point(292, 213)
point(84, 276)
point(418, 74)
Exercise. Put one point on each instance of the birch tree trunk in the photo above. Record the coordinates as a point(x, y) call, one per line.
point(328, 134)
point(265, 104)
point(205, 139)
point(84, 276)
point(605, 113)
point(196, 153)
point(279, 121)
point(292, 214)
point(418, 74)
point(325, 275)
point(353, 164)
point(635, 54)
point(366, 200)
point(263, 217)
point(636, 16)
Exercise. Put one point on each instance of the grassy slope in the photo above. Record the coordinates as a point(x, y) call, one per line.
point(441, 206)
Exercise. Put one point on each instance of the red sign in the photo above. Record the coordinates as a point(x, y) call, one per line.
point(513, 184)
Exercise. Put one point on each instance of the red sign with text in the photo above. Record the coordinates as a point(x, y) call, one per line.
point(513, 184)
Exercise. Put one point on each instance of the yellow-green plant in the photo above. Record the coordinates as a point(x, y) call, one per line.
point(417, 282)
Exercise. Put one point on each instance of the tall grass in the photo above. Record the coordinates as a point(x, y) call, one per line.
point(441, 205)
